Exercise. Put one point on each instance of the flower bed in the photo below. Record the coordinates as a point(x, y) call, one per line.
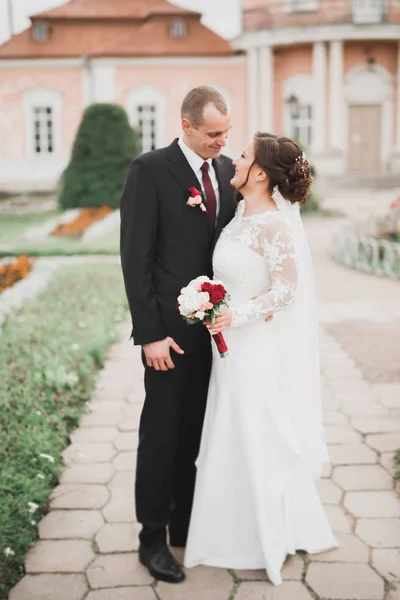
point(87, 216)
point(371, 245)
point(17, 269)
point(50, 355)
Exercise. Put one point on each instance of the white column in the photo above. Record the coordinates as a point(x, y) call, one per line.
point(398, 100)
point(87, 82)
point(104, 83)
point(336, 117)
point(267, 89)
point(319, 75)
point(252, 87)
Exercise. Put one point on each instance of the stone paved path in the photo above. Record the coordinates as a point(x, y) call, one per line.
point(88, 540)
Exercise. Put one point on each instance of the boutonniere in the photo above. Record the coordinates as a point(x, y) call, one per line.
point(195, 199)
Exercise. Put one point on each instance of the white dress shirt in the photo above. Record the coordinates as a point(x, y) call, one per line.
point(196, 162)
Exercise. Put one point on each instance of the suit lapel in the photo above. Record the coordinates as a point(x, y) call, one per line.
point(186, 177)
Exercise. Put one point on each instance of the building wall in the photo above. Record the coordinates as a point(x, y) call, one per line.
point(123, 81)
point(21, 89)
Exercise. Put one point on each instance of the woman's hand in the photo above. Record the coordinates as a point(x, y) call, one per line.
point(222, 321)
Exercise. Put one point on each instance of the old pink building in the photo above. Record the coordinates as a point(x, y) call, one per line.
point(327, 72)
point(324, 71)
point(142, 54)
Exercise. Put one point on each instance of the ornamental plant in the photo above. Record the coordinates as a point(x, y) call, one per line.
point(104, 147)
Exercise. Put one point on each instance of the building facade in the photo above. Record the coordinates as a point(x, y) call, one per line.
point(328, 73)
point(144, 56)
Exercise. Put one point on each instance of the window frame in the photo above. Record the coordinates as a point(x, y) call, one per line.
point(148, 95)
point(39, 98)
point(301, 6)
point(181, 26)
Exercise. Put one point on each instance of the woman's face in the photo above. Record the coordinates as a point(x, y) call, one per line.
point(243, 165)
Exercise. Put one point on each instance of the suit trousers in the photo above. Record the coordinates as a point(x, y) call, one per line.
point(169, 440)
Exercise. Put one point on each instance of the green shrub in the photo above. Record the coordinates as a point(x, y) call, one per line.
point(104, 147)
point(50, 354)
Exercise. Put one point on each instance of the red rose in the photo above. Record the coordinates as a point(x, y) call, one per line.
point(216, 296)
point(207, 287)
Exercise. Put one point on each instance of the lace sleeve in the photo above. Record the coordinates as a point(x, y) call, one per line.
point(277, 247)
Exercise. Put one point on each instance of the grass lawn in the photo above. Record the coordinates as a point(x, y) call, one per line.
point(13, 243)
point(50, 354)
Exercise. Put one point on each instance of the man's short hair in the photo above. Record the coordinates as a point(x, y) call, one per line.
point(197, 99)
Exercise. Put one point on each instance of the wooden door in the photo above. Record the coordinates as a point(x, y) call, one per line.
point(365, 137)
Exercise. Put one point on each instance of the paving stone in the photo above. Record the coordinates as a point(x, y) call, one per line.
point(117, 570)
point(387, 461)
point(342, 581)
point(351, 550)
point(125, 593)
point(129, 424)
point(388, 393)
point(329, 491)
point(341, 434)
point(96, 419)
point(95, 473)
point(394, 593)
point(387, 563)
point(326, 471)
point(351, 454)
point(384, 442)
point(338, 520)
point(50, 587)
point(118, 537)
point(201, 583)
point(120, 509)
point(103, 404)
point(125, 461)
point(126, 441)
point(292, 570)
point(373, 504)
point(334, 417)
point(61, 556)
point(376, 425)
point(88, 453)
point(70, 524)
point(364, 409)
point(362, 477)
point(124, 482)
point(133, 410)
point(79, 495)
point(291, 590)
point(94, 434)
point(380, 533)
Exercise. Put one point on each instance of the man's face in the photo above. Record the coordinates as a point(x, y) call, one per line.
point(209, 139)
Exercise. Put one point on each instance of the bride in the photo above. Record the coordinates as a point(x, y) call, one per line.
point(263, 445)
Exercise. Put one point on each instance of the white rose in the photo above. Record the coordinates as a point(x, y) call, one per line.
point(200, 315)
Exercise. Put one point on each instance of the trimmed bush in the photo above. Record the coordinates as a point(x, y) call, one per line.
point(104, 147)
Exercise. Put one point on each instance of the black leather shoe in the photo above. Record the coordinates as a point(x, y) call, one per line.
point(161, 564)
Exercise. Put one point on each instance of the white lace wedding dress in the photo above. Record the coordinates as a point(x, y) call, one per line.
point(262, 445)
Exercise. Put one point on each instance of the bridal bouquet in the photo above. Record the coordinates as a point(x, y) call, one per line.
point(203, 299)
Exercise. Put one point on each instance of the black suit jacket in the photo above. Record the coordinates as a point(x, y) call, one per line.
point(165, 243)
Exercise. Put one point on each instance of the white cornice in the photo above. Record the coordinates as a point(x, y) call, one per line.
point(18, 63)
point(195, 61)
point(321, 33)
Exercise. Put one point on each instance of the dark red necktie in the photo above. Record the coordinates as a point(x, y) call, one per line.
point(210, 193)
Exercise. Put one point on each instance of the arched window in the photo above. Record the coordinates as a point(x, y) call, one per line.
point(43, 121)
point(299, 109)
point(146, 109)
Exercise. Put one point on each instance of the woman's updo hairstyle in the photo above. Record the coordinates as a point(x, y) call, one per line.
point(285, 164)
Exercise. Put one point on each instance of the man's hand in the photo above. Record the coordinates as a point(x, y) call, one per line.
point(158, 354)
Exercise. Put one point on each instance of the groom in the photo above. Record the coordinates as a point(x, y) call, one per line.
point(165, 243)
